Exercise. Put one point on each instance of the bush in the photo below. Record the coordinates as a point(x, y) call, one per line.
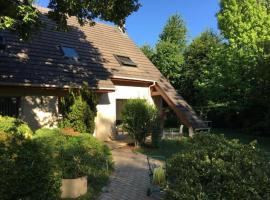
point(213, 167)
point(27, 171)
point(78, 155)
point(156, 132)
point(138, 118)
point(79, 110)
point(15, 127)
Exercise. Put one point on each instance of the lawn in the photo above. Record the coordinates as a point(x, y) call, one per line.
point(169, 147)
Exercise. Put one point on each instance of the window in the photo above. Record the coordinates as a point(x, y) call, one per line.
point(2, 43)
point(124, 60)
point(9, 106)
point(70, 52)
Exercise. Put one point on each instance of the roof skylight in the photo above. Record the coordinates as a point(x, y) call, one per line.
point(70, 52)
point(126, 61)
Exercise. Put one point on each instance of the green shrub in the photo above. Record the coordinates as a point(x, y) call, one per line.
point(156, 131)
point(213, 167)
point(27, 171)
point(79, 110)
point(138, 117)
point(77, 156)
point(15, 126)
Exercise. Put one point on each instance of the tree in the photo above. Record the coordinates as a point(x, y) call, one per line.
point(245, 23)
point(22, 17)
point(167, 55)
point(198, 67)
point(246, 26)
point(175, 31)
point(148, 51)
point(169, 60)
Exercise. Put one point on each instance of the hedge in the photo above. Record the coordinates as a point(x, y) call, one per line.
point(213, 167)
point(15, 126)
point(77, 155)
point(27, 170)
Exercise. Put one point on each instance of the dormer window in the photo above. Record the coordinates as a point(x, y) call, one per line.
point(70, 52)
point(124, 60)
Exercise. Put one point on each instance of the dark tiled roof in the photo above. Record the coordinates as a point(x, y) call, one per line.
point(40, 62)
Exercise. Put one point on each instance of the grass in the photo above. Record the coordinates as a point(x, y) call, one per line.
point(169, 147)
point(166, 149)
point(262, 141)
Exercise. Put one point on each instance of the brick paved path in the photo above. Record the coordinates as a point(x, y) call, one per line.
point(130, 179)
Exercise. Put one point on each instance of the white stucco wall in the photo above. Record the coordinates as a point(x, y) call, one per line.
point(105, 119)
point(39, 111)
point(106, 109)
point(132, 92)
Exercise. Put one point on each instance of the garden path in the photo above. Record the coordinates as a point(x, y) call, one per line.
point(130, 179)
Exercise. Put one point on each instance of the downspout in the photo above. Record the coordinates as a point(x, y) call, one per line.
point(152, 85)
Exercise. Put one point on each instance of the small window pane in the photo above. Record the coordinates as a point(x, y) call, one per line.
point(124, 60)
point(9, 106)
point(70, 52)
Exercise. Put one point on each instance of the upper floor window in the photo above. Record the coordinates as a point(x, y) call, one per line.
point(70, 52)
point(126, 61)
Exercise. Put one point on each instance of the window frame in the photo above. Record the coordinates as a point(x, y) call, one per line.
point(130, 63)
point(76, 58)
point(16, 112)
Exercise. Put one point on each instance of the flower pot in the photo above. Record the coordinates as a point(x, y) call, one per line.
point(73, 188)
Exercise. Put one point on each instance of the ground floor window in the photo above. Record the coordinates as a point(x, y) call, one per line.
point(9, 106)
point(120, 104)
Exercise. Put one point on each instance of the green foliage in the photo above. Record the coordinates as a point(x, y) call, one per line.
point(27, 170)
point(148, 51)
point(213, 167)
point(79, 110)
point(226, 80)
point(15, 127)
point(138, 118)
point(156, 129)
point(23, 18)
point(169, 61)
point(175, 31)
point(167, 55)
point(238, 83)
point(198, 68)
point(20, 17)
point(78, 155)
point(159, 177)
point(244, 22)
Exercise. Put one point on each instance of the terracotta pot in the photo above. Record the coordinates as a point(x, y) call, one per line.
point(73, 188)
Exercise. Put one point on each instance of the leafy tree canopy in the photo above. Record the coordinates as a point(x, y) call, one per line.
point(198, 69)
point(244, 22)
point(22, 17)
point(168, 52)
point(175, 31)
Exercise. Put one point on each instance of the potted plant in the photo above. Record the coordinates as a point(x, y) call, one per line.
point(72, 160)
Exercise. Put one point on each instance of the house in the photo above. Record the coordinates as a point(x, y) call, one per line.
point(34, 74)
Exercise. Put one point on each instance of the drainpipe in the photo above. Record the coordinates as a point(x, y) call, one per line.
point(152, 85)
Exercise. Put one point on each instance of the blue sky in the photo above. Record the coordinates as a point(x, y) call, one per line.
point(145, 25)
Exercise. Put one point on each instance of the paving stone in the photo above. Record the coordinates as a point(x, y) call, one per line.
point(130, 179)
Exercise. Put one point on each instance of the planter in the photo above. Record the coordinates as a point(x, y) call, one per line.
point(73, 188)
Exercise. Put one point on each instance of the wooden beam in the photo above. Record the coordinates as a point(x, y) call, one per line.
point(155, 93)
point(179, 114)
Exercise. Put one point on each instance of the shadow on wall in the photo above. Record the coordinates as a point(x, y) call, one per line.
point(40, 111)
point(104, 125)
